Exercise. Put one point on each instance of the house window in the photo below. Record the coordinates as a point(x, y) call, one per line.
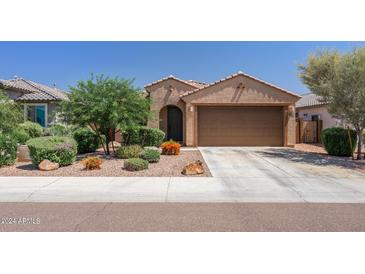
point(36, 113)
point(315, 117)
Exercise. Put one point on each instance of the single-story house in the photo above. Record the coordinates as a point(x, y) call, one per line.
point(39, 101)
point(239, 110)
point(311, 108)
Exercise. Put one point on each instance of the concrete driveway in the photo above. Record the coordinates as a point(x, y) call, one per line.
point(261, 175)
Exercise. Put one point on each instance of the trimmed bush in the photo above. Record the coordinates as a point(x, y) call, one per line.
point(58, 130)
point(130, 136)
point(92, 162)
point(150, 155)
point(170, 148)
point(87, 141)
point(135, 164)
point(143, 136)
point(20, 136)
point(61, 150)
point(34, 130)
point(336, 141)
point(151, 136)
point(8, 147)
point(126, 152)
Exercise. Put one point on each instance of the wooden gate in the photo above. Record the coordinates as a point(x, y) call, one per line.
point(308, 131)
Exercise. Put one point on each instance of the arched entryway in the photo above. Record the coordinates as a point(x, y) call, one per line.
point(171, 122)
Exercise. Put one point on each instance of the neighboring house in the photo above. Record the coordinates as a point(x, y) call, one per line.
point(239, 110)
point(39, 101)
point(310, 108)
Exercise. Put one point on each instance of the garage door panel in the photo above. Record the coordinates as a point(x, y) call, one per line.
point(240, 126)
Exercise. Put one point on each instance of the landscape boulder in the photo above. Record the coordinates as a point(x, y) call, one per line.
point(23, 154)
point(193, 168)
point(47, 165)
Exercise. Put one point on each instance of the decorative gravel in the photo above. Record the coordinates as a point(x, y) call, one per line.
point(314, 148)
point(315, 153)
point(166, 167)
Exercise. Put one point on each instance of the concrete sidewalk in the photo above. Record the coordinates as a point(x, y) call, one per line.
point(182, 189)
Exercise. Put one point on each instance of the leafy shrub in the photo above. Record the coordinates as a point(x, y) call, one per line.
point(34, 130)
point(130, 136)
point(61, 150)
point(92, 162)
point(151, 155)
point(8, 147)
point(135, 164)
point(20, 136)
point(336, 141)
point(126, 152)
point(143, 136)
point(170, 148)
point(58, 130)
point(11, 114)
point(87, 141)
point(151, 136)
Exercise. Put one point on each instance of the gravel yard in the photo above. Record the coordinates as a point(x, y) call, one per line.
point(316, 152)
point(314, 148)
point(166, 167)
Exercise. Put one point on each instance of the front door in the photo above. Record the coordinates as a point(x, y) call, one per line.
point(174, 124)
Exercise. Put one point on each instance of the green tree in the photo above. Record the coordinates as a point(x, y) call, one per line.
point(105, 105)
point(10, 114)
point(340, 81)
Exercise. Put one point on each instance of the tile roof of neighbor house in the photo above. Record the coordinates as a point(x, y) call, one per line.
point(34, 91)
point(235, 75)
point(309, 100)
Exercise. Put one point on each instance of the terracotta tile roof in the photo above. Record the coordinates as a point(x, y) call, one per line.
point(192, 83)
point(309, 100)
point(235, 75)
point(34, 91)
point(197, 83)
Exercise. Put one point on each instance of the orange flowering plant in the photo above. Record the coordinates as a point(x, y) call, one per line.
point(92, 162)
point(170, 148)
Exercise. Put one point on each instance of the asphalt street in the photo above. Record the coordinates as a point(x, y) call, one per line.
point(181, 217)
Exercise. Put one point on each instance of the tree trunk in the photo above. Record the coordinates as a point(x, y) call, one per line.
point(113, 140)
point(359, 144)
point(107, 139)
point(97, 132)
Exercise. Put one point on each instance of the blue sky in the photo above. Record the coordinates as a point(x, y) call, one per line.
point(64, 63)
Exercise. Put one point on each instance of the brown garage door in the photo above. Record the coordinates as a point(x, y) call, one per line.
point(240, 126)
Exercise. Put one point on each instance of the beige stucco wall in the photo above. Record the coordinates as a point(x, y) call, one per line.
point(163, 94)
point(240, 90)
point(328, 120)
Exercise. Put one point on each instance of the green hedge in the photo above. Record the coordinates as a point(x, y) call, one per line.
point(336, 141)
point(143, 136)
point(150, 155)
point(58, 130)
point(126, 152)
point(8, 147)
point(135, 164)
point(34, 130)
point(87, 141)
point(20, 136)
point(62, 150)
